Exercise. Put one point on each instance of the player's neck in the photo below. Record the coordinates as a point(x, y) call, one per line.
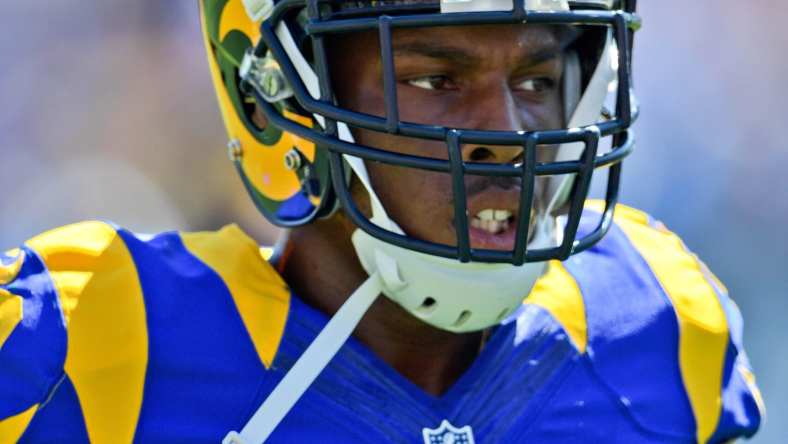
point(322, 269)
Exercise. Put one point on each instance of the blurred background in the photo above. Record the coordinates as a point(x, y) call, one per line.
point(106, 111)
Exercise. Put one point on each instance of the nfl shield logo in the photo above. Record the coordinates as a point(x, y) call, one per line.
point(448, 434)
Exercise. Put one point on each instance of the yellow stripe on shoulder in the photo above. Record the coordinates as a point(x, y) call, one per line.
point(260, 295)
point(10, 314)
point(102, 302)
point(703, 327)
point(12, 428)
point(558, 293)
point(9, 271)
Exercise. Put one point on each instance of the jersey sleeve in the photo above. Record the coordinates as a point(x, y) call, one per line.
point(73, 335)
point(93, 317)
point(716, 374)
point(735, 406)
point(742, 404)
point(32, 340)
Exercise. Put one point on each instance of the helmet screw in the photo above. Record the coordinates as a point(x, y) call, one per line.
point(234, 150)
point(293, 160)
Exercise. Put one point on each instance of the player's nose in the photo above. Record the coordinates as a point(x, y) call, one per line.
point(495, 110)
point(492, 153)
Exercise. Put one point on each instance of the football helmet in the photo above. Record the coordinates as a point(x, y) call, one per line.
point(271, 53)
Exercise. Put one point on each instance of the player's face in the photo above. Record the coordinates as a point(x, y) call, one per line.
point(478, 77)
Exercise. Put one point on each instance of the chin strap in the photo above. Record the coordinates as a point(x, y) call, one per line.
point(309, 365)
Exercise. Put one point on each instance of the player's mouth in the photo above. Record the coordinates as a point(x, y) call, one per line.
point(493, 229)
point(492, 218)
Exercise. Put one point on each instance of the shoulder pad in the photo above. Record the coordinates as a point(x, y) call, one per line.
point(71, 282)
point(259, 292)
point(657, 319)
point(85, 297)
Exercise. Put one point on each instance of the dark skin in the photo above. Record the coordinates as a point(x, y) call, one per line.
point(487, 77)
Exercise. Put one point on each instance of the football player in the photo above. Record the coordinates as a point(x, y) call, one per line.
point(444, 278)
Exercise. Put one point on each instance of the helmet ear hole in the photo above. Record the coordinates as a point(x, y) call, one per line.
point(258, 118)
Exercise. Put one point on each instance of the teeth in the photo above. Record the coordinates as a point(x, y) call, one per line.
point(490, 226)
point(492, 220)
point(492, 214)
point(487, 214)
point(502, 215)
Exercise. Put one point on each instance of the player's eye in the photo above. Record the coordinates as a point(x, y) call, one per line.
point(432, 83)
point(538, 85)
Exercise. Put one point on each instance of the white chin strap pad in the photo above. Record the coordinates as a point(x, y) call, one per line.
point(447, 294)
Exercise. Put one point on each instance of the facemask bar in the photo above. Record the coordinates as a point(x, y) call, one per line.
point(324, 106)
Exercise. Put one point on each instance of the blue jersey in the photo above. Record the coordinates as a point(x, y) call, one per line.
point(111, 337)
